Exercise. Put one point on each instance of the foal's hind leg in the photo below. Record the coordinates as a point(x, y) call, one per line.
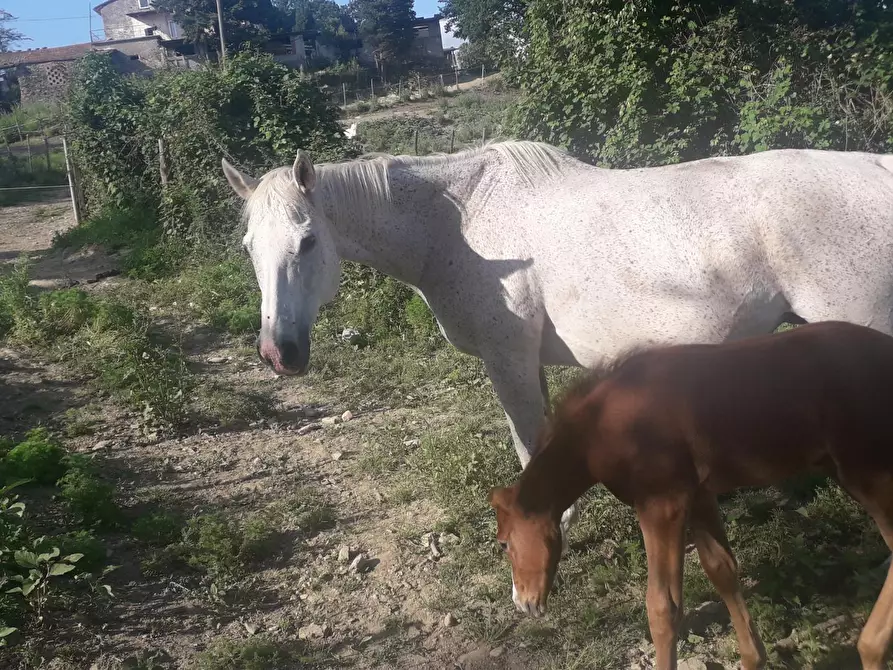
point(721, 567)
point(876, 495)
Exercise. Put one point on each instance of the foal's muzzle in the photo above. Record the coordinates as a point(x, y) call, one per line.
point(285, 356)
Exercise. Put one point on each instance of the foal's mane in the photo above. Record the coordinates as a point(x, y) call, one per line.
point(350, 184)
point(572, 398)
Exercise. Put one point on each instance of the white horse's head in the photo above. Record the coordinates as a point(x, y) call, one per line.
point(290, 243)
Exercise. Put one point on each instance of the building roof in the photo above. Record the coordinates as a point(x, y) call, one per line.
point(103, 4)
point(45, 55)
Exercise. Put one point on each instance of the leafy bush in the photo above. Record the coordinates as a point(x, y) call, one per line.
point(39, 458)
point(646, 82)
point(256, 112)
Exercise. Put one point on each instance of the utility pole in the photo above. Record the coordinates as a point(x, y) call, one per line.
point(222, 41)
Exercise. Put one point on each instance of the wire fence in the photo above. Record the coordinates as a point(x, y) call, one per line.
point(413, 87)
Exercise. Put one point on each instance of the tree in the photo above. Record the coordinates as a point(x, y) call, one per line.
point(326, 20)
point(386, 26)
point(495, 27)
point(244, 21)
point(8, 36)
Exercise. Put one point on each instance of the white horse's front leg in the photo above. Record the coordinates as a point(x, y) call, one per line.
point(520, 386)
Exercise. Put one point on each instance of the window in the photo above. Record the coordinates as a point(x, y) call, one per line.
point(150, 31)
point(174, 30)
point(421, 31)
point(144, 4)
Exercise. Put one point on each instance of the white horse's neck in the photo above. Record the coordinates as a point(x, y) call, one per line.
point(383, 210)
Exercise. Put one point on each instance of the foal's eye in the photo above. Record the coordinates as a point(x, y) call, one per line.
point(503, 545)
point(307, 244)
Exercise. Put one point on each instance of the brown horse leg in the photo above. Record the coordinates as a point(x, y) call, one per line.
point(663, 528)
point(876, 496)
point(722, 569)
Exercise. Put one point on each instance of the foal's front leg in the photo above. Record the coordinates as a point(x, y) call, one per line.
point(663, 527)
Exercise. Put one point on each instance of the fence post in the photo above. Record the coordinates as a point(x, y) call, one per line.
point(162, 163)
point(8, 148)
point(482, 71)
point(344, 91)
point(416, 141)
point(72, 187)
point(372, 86)
point(400, 89)
point(452, 138)
point(46, 148)
point(457, 80)
point(484, 135)
point(30, 155)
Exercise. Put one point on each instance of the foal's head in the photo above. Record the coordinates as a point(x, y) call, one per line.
point(533, 544)
point(294, 257)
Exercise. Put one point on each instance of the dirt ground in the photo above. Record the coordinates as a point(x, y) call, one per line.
point(379, 617)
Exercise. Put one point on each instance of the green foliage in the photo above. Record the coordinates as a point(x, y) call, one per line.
point(158, 529)
point(223, 547)
point(8, 35)
point(38, 573)
point(256, 112)
point(651, 82)
point(489, 26)
point(245, 21)
point(40, 458)
point(90, 499)
point(386, 27)
point(254, 654)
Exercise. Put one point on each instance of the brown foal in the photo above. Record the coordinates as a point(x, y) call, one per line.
point(666, 430)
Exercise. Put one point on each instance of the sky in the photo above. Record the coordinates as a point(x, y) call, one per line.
point(53, 23)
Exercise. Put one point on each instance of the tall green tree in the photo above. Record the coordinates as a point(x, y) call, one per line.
point(244, 21)
point(386, 26)
point(8, 35)
point(325, 20)
point(495, 27)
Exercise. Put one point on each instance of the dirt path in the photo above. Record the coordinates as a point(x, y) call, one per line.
point(30, 228)
point(382, 615)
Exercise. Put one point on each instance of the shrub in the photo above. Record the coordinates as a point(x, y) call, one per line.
point(253, 654)
point(65, 312)
point(223, 547)
point(39, 458)
point(158, 529)
point(89, 498)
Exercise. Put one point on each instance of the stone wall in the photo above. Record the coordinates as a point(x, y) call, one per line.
point(116, 22)
point(44, 81)
point(147, 51)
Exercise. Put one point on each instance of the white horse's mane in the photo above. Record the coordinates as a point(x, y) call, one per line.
point(344, 185)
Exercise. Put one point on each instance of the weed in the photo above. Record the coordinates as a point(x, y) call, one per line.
point(223, 547)
point(158, 529)
point(80, 421)
point(90, 499)
point(253, 654)
point(40, 458)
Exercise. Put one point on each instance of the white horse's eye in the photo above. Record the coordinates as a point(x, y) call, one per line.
point(307, 244)
point(503, 545)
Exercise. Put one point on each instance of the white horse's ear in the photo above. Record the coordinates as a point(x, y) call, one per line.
point(242, 184)
point(304, 172)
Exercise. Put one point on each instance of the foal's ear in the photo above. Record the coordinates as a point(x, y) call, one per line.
point(304, 172)
point(242, 184)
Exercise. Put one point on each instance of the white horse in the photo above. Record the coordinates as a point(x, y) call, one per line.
point(528, 257)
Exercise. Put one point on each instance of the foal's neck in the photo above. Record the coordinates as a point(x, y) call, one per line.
point(557, 475)
point(389, 214)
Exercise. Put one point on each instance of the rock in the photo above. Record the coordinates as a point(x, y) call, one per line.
point(347, 416)
point(102, 444)
point(344, 554)
point(309, 428)
point(691, 664)
point(411, 443)
point(336, 456)
point(330, 420)
point(496, 652)
point(432, 545)
point(251, 628)
point(217, 359)
point(314, 631)
point(352, 336)
point(360, 564)
point(449, 620)
point(700, 618)
point(412, 632)
point(448, 539)
point(831, 625)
